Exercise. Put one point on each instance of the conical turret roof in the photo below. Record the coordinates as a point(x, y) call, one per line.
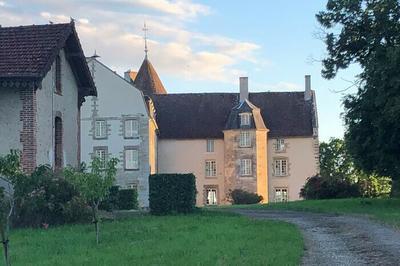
point(147, 79)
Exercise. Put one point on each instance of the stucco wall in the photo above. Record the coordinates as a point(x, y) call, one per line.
point(10, 124)
point(189, 156)
point(50, 105)
point(117, 100)
point(302, 161)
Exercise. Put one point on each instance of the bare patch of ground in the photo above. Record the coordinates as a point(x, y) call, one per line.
point(339, 239)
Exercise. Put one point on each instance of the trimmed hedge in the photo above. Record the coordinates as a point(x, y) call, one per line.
point(172, 193)
point(240, 196)
point(120, 199)
point(127, 199)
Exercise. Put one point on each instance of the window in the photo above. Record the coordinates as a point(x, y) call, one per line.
point(132, 186)
point(100, 129)
point(211, 168)
point(245, 119)
point(131, 159)
point(131, 128)
point(280, 167)
point(211, 196)
point(210, 145)
point(281, 195)
point(58, 143)
point(101, 153)
point(245, 140)
point(58, 75)
point(245, 167)
point(280, 145)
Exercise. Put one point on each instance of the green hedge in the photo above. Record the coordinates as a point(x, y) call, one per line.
point(127, 199)
point(120, 199)
point(172, 193)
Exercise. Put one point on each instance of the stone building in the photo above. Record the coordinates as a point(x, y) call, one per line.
point(263, 142)
point(44, 80)
point(118, 123)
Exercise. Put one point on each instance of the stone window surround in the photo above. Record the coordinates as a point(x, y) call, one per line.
point(276, 144)
point(205, 169)
point(209, 145)
point(94, 128)
point(205, 188)
point(125, 118)
point(287, 166)
point(124, 160)
point(250, 139)
point(280, 187)
point(96, 148)
point(251, 167)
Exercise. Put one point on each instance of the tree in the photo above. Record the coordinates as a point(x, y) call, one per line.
point(367, 32)
point(9, 169)
point(94, 186)
point(335, 162)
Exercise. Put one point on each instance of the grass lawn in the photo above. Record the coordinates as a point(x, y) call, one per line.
point(386, 210)
point(205, 238)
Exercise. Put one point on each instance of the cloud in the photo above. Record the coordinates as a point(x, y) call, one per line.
point(114, 30)
point(183, 9)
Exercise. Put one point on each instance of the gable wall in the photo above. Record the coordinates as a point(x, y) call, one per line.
point(116, 101)
point(50, 105)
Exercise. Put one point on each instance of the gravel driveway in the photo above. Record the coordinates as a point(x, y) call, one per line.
point(339, 239)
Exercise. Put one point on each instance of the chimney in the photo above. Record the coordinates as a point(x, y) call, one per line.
point(307, 92)
point(127, 77)
point(244, 88)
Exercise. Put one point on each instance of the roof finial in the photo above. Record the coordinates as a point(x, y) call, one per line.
point(145, 29)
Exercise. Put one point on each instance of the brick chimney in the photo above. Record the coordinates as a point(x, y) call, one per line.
point(244, 88)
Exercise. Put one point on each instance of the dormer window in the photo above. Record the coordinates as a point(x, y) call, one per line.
point(245, 119)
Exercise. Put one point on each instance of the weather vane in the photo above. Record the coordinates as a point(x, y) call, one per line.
point(145, 29)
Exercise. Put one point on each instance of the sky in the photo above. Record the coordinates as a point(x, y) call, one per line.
point(205, 46)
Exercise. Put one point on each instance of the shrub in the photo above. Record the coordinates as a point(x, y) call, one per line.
point(239, 196)
point(172, 193)
point(127, 199)
point(318, 187)
point(111, 202)
point(45, 197)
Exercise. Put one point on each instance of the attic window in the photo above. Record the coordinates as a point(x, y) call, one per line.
point(245, 119)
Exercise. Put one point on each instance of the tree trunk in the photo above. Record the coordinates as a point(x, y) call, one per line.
point(96, 221)
point(6, 255)
point(395, 191)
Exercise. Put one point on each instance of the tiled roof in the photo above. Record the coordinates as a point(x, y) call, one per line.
point(204, 115)
point(27, 52)
point(147, 80)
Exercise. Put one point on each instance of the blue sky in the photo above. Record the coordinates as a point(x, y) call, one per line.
point(204, 46)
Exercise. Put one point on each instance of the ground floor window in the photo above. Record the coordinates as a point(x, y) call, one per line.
point(211, 196)
point(101, 153)
point(281, 195)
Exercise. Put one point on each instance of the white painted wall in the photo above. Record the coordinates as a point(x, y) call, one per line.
point(116, 99)
point(189, 156)
point(10, 124)
point(48, 105)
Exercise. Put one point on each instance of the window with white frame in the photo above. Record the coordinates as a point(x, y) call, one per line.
point(210, 145)
point(245, 139)
point(101, 153)
point(131, 159)
point(280, 145)
point(211, 168)
point(131, 128)
point(280, 167)
point(281, 195)
point(100, 129)
point(245, 119)
point(245, 167)
point(211, 196)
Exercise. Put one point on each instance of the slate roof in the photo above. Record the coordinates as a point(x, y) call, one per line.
point(147, 79)
point(204, 115)
point(27, 53)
